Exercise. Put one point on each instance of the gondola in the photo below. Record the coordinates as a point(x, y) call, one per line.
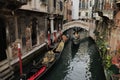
point(40, 68)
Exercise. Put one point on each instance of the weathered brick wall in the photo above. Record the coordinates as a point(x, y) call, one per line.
point(28, 39)
point(115, 33)
point(24, 26)
point(115, 39)
point(14, 48)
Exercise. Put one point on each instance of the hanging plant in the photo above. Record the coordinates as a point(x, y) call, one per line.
point(108, 62)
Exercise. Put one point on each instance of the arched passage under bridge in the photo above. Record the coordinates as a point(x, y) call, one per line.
point(86, 25)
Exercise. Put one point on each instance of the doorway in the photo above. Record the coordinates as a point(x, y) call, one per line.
point(3, 44)
point(34, 31)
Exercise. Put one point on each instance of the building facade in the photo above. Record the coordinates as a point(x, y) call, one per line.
point(26, 25)
point(75, 9)
point(55, 18)
point(86, 9)
point(67, 11)
point(7, 23)
point(105, 6)
point(115, 37)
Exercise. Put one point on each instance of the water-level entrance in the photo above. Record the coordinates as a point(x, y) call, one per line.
point(3, 44)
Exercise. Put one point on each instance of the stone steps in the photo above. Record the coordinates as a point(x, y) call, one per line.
point(9, 76)
point(3, 62)
point(4, 67)
point(6, 73)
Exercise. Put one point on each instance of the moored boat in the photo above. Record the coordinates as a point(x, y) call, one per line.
point(44, 64)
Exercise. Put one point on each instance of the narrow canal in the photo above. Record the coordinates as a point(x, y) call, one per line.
point(76, 63)
point(82, 63)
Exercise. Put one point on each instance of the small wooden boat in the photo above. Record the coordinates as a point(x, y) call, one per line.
point(50, 58)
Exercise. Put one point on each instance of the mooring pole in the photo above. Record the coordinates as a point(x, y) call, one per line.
point(20, 60)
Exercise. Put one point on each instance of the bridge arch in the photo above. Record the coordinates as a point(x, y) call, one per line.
point(87, 25)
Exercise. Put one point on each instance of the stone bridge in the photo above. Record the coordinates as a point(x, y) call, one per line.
point(88, 25)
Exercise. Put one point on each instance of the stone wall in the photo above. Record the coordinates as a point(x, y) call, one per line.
point(115, 39)
point(115, 34)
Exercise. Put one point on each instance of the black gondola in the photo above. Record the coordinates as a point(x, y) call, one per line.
point(40, 68)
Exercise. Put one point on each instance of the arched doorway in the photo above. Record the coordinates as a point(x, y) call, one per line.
point(3, 44)
point(34, 31)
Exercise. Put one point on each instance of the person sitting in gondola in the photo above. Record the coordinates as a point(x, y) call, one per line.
point(49, 57)
point(61, 44)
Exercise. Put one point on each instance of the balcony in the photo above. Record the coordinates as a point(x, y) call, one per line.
point(12, 4)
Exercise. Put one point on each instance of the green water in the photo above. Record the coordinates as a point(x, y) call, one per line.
point(78, 63)
point(81, 62)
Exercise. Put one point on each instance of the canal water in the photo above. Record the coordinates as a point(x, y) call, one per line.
point(81, 62)
point(78, 63)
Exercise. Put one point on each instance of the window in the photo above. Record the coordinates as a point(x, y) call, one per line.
point(61, 5)
point(11, 25)
point(69, 12)
point(80, 4)
point(79, 13)
point(54, 3)
point(44, 1)
point(83, 4)
point(86, 13)
point(90, 3)
point(87, 4)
